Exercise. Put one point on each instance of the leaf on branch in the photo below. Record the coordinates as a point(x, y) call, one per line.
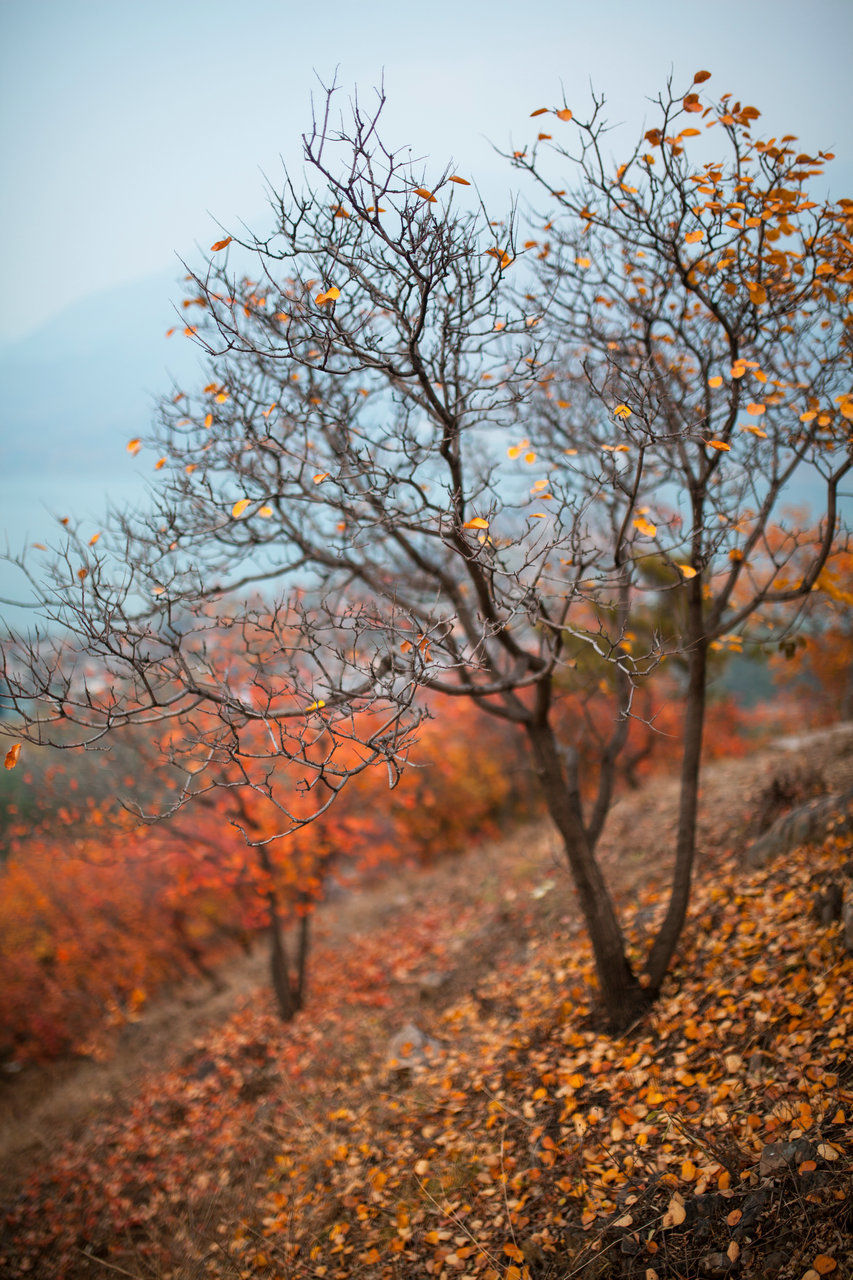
point(716, 381)
point(564, 115)
point(463, 182)
point(477, 522)
point(321, 476)
point(425, 195)
point(645, 526)
point(265, 512)
point(701, 76)
point(134, 445)
point(687, 570)
point(12, 756)
point(220, 244)
point(756, 410)
point(540, 111)
point(331, 295)
point(757, 293)
point(720, 445)
point(239, 507)
point(693, 237)
point(621, 411)
point(94, 539)
point(316, 706)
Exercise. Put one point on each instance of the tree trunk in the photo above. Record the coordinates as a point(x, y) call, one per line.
point(622, 996)
point(685, 852)
point(288, 993)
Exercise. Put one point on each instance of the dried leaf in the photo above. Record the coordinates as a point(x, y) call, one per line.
point(12, 756)
point(239, 507)
point(221, 244)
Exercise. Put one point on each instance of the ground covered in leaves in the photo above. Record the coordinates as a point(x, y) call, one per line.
point(502, 1135)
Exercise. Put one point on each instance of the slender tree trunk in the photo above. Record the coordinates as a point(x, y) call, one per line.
point(685, 851)
point(302, 957)
point(622, 996)
point(288, 993)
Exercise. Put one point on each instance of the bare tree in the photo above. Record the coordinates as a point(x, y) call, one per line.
point(438, 474)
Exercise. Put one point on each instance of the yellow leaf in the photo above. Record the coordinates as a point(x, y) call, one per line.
point(239, 507)
point(530, 457)
point(425, 194)
point(321, 476)
point(583, 263)
point(675, 1213)
point(220, 244)
point(463, 182)
point(316, 706)
point(266, 512)
point(476, 523)
point(645, 526)
point(134, 445)
point(621, 411)
point(12, 756)
point(721, 445)
point(564, 115)
point(208, 420)
point(688, 571)
point(693, 237)
point(94, 539)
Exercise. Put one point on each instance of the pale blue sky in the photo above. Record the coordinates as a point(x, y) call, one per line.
point(124, 124)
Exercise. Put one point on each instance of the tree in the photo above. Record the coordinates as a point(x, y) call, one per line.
point(453, 461)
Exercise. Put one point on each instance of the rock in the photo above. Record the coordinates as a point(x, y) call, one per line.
point(779, 1158)
point(411, 1047)
point(827, 905)
point(809, 822)
point(847, 917)
point(714, 1264)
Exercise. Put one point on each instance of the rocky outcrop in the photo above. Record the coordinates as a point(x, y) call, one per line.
point(804, 825)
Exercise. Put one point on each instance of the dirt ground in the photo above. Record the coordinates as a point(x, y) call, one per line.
point(43, 1104)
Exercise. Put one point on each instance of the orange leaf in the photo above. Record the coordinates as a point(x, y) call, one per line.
point(425, 194)
point(94, 539)
point(513, 1251)
point(715, 382)
point(688, 571)
point(645, 526)
point(321, 476)
point(540, 111)
point(12, 756)
point(693, 237)
point(621, 411)
point(823, 1264)
point(134, 445)
point(220, 244)
point(239, 507)
point(756, 409)
point(701, 76)
point(757, 293)
point(720, 445)
point(565, 114)
point(316, 706)
point(476, 523)
point(463, 182)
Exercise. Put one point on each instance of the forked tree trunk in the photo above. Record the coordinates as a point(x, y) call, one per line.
point(622, 997)
point(685, 850)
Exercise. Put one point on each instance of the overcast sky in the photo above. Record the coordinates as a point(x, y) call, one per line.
point(126, 125)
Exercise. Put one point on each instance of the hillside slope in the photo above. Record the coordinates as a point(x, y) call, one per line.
point(713, 1140)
